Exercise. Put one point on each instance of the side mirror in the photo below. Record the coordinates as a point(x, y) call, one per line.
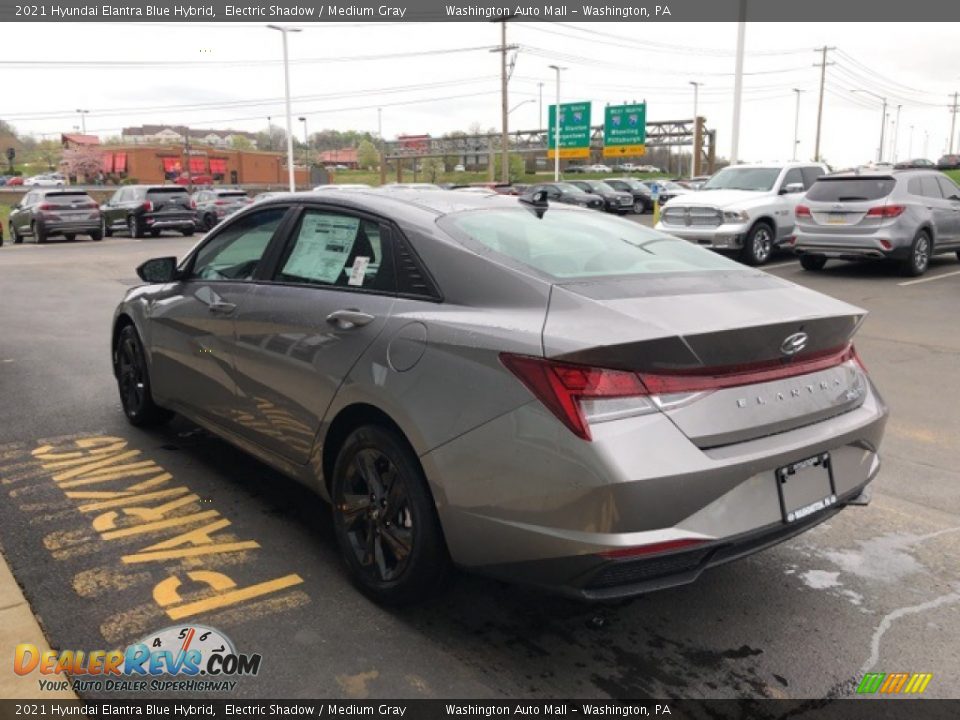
point(158, 270)
point(792, 188)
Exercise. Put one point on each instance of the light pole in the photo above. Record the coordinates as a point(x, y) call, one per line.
point(696, 127)
point(270, 132)
point(926, 142)
point(883, 120)
point(896, 135)
point(306, 143)
point(796, 125)
point(540, 106)
point(286, 89)
point(83, 120)
point(519, 104)
point(738, 83)
point(910, 145)
point(556, 128)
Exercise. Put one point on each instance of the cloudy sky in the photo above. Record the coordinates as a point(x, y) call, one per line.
point(437, 77)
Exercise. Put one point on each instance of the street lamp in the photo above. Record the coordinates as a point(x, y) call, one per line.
point(286, 89)
point(796, 125)
point(519, 104)
point(306, 143)
point(556, 128)
point(883, 120)
point(83, 120)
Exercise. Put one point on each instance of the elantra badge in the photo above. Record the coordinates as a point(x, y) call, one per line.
point(794, 343)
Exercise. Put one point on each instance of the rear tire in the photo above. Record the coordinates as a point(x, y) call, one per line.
point(187, 232)
point(39, 234)
point(209, 222)
point(105, 230)
point(96, 236)
point(385, 519)
point(918, 261)
point(133, 381)
point(70, 237)
point(154, 233)
point(813, 262)
point(758, 245)
point(134, 227)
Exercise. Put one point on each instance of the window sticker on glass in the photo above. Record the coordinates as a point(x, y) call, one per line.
point(323, 247)
point(358, 271)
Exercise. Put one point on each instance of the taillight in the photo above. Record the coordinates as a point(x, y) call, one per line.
point(802, 211)
point(148, 206)
point(47, 206)
point(577, 394)
point(886, 211)
point(652, 548)
point(193, 204)
point(855, 356)
point(222, 202)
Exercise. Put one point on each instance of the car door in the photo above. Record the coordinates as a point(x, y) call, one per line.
point(951, 194)
point(787, 201)
point(115, 214)
point(941, 210)
point(20, 218)
point(192, 327)
point(300, 333)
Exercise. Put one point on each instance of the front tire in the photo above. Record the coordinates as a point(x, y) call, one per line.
point(133, 381)
point(18, 238)
point(384, 518)
point(105, 230)
point(918, 261)
point(758, 245)
point(813, 262)
point(96, 236)
point(209, 222)
point(187, 232)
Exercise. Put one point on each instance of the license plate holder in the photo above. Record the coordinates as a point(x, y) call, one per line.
point(837, 219)
point(806, 487)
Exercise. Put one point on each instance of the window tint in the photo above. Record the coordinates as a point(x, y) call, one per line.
point(68, 198)
point(810, 175)
point(948, 187)
point(334, 249)
point(852, 189)
point(235, 252)
point(793, 176)
point(929, 187)
point(580, 245)
point(743, 178)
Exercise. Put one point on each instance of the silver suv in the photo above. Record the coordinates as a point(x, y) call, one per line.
point(907, 215)
point(748, 208)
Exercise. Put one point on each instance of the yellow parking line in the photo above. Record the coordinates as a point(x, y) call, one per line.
point(929, 279)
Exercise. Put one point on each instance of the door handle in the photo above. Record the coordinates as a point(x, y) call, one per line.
point(223, 308)
point(347, 319)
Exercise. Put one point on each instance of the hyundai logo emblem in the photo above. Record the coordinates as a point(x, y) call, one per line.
point(793, 344)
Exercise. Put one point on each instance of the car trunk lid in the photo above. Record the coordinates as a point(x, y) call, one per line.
point(728, 356)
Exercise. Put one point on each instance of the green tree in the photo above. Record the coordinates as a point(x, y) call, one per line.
point(47, 152)
point(239, 142)
point(368, 157)
point(516, 167)
point(431, 168)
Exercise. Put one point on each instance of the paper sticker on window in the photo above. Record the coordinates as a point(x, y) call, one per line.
point(359, 270)
point(323, 247)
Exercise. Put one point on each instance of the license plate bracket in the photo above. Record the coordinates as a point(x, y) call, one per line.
point(837, 219)
point(806, 487)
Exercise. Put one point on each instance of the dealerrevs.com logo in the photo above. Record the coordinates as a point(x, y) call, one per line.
point(192, 658)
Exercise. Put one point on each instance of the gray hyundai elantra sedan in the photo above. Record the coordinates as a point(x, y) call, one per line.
point(532, 391)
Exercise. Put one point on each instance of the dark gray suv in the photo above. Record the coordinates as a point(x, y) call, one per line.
point(906, 215)
point(47, 211)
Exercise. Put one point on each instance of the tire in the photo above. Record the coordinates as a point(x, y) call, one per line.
point(70, 237)
point(187, 232)
point(154, 233)
point(134, 227)
point(758, 245)
point(958, 254)
point(133, 381)
point(105, 230)
point(639, 207)
point(209, 222)
point(95, 235)
point(17, 237)
point(813, 262)
point(918, 260)
point(389, 537)
point(38, 234)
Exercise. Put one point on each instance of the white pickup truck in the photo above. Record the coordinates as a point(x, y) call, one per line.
point(748, 208)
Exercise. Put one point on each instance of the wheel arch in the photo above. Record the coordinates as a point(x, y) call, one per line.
point(120, 322)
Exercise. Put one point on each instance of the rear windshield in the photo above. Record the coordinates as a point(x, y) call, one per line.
point(574, 245)
point(235, 193)
point(66, 198)
point(166, 193)
point(850, 189)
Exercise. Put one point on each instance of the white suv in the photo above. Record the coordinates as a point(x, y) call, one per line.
point(743, 207)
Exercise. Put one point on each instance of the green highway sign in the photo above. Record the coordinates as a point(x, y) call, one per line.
point(625, 130)
point(574, 130)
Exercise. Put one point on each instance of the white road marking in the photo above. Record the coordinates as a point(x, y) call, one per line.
point(929, 279)
point(778, 265)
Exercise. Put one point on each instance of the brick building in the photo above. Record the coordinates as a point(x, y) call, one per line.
point(165, 163)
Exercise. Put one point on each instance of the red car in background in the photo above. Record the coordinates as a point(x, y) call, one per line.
point(15, 181)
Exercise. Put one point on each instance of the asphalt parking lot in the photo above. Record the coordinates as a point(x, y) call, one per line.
point(874, 589)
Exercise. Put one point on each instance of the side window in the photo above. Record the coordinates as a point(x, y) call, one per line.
point(235, 252)
point(329, 248)
point(810, 175)
point(552, 192)
point(793, 176)
point(29, 199)
point(115, 198)
point(929, 187)
point(948, 187)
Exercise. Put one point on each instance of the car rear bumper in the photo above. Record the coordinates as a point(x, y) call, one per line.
point(69, 226)
point(520, 500)
point(179, 221)
point(884, 243)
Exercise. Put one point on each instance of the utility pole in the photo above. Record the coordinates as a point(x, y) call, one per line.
point(796, 125)
point(910, 145)
point(895, 141)
point(696, 128)
point(953, 121)
point(83, 120)
point(556, 128)
point(823, 79)
point(738, 82)
point(306, 144)
point(270, 132)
